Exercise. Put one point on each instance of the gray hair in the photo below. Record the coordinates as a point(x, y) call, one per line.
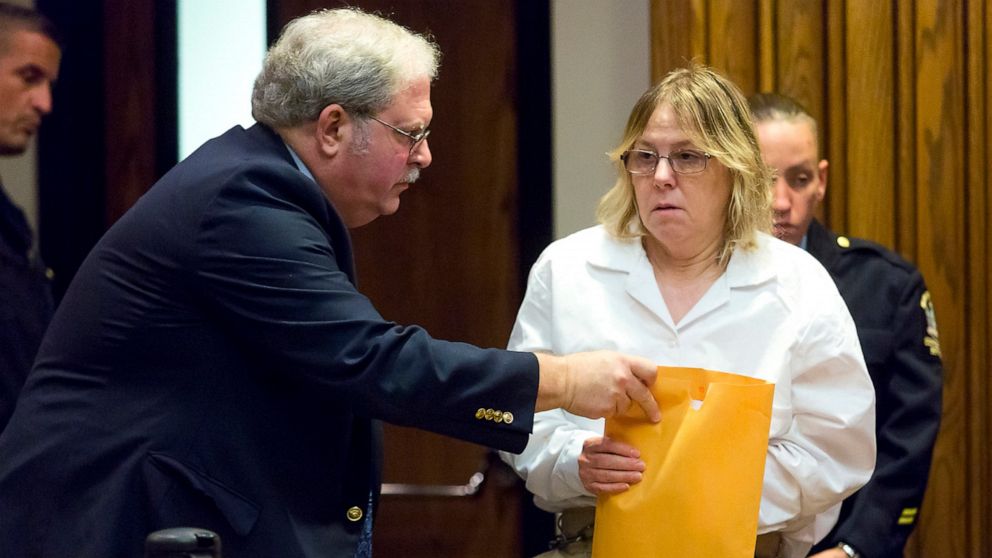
point(344, 56)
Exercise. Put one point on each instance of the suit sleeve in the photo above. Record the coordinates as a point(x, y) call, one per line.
point(882, 515)
point(267, 269)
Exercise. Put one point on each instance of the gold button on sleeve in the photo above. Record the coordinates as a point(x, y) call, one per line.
point(355, 513)
point(507, 417)
point(480, 414)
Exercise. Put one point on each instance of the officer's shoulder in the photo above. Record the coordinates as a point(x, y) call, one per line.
point(860, 249)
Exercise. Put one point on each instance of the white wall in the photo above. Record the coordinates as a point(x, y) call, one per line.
point(19, 174)
point(600, 53)
point(221, 46)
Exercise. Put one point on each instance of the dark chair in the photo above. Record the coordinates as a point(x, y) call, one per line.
point(182, 542)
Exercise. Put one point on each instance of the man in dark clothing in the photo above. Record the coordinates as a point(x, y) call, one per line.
point(213, 363)
point(894, 315)
point(29, 63)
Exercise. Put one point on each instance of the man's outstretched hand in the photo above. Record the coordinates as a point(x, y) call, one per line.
point(597, 384)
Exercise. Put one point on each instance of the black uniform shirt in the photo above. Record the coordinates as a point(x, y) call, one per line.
point(894, 315)
point(25, 304)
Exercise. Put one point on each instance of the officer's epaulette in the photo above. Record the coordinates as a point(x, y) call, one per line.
point(861, 247)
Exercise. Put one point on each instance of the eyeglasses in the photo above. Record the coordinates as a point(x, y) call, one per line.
point(683, 161)
point(415, 139)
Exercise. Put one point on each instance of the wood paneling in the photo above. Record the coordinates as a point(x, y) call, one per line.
point(798, 50)
point(902, 94)
point(130, 93)
point(869, 142)
point(905, 217)
point(739, 22)
point(676, 21)
point(942, 250)
point(833, 125)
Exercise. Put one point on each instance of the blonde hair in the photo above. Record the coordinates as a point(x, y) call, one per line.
point(713, 113)
point(345, 56)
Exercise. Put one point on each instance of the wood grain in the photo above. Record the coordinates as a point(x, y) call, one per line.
point(903, 97)
point(129, 59)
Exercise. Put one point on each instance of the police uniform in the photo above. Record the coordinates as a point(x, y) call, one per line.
point(25, 304)
point(894, 315)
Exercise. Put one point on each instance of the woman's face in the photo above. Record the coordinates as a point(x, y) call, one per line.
point(685, 213)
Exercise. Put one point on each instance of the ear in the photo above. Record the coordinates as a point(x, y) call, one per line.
point(333, 127)
point(821, 170)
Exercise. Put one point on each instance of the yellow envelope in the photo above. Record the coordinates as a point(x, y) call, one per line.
point(702, 487)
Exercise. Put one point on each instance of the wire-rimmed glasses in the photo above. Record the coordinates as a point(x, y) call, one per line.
point(415, 138)
point(682, 161)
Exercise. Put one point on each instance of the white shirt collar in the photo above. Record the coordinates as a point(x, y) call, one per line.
point(746, 267)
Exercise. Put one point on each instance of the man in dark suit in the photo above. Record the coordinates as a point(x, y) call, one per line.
point(894, 315)
point(212, 363)
point(29, 64)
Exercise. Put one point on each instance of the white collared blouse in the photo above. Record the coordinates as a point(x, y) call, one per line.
point(774, 314)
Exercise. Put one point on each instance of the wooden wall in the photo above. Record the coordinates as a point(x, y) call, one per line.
point(901, 90)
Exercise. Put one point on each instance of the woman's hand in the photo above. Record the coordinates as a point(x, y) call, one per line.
point(607, 466)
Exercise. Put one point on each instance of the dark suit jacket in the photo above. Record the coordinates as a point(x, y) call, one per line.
point(213, 365)
point(25, 304)
point(892, 311)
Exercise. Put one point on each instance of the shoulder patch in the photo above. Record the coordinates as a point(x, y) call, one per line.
point(843, 242)
point(931, 339)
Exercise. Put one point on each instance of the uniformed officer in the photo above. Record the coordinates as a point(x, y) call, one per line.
point(894, 315)
point(29, 64)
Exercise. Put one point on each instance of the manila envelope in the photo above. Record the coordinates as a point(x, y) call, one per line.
point(705, 461)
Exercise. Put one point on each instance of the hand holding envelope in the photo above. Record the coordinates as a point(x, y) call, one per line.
point(597, 384)
point(703, 469)
point(608, 466)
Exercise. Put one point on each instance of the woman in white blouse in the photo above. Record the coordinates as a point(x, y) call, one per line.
point(681, 270)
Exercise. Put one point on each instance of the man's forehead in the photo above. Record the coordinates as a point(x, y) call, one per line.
point(18, 41)
point(413, 102)
point(793, 132)
point(30, 50)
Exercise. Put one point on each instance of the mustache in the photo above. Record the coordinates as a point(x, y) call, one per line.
point(411, 175)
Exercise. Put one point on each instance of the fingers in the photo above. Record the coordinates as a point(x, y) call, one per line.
point(645, 371)
point(641, 395)
point(608, 446)
point(598, 488)
point(604, 384)
point(608, 467)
